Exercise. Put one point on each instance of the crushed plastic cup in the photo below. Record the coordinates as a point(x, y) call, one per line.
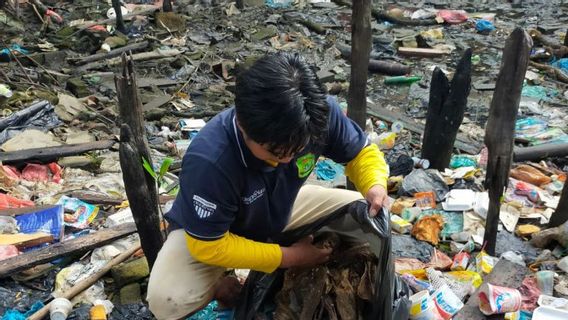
point(545, 281)
point(447, 302)
point(59, 309)
point(422, 307)
point(496, 300)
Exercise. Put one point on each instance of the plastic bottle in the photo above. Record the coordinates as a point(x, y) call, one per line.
point(59, 309)
point(402, 79)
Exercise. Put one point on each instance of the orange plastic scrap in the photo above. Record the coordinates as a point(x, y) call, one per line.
point(428, 229)
point(529, 174)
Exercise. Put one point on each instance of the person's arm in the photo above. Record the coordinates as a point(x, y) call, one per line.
point(366, 166)
point(369, 173)
point(368, 169)
point(233, 251)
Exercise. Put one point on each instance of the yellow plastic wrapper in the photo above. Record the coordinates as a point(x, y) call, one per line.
point(484, 262)
point(418, 273)
point(466, 277)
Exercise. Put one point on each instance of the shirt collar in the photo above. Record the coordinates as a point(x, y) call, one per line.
point(247, 158)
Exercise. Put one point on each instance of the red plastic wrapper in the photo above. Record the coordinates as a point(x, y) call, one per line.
point(530, 293)
point(35, 172)
point(453, 16)
point(8, 251)
point(9, 202)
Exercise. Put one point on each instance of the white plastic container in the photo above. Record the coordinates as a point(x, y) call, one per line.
point(59, 309)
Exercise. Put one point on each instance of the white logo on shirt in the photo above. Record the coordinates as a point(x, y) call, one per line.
point(254, 196)
point(203, 208)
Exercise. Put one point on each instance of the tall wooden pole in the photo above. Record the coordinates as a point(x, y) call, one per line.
point(118, 12)
point(360, 51)
point(139, 184)
point(167, 6)
point(560, 215)
point(446, 110)
point(500, 127)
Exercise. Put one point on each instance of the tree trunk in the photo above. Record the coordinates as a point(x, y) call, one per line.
point(140, 185)
point(500, 128)
point(445, 113)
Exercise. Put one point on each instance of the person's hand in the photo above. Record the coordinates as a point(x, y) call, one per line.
point(304, 254)
point(227, 292)
point(377, 197)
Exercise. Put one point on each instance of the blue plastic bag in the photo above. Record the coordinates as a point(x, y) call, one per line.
point(484, 26)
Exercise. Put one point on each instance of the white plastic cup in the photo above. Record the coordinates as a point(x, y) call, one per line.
point(447, 303)
point(495, 299)
point(59, 309)
point(422, 307)
point(545, 281)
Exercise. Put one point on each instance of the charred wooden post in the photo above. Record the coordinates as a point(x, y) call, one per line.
point(500, 128)
point(139, 184)
point(561, 214)
point(445, 113)
point(167, 6)
point(360, 51)
point(240, 4)
point(119, 20)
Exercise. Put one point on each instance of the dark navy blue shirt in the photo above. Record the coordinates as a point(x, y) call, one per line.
point(224, 187)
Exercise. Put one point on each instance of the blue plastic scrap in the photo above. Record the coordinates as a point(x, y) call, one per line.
point(5, 53)
point(561, 64)
point(328, 170)
point(12, 314)
point(484, 26)
point(207, 313)
point(538, 92)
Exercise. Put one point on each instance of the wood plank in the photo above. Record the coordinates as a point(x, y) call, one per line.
point(53, 153)
point(504, 274)
point(111, 54)
point(537, 153)
point(61, 249)
point(25, 240)
point(421, 52)
point(463, 142)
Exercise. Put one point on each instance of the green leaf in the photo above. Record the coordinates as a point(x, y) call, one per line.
point(166, 163)
point(174, 191)
point(149, 168)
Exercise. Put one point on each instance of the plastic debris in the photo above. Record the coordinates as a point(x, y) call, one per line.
point(428, 229)
point(484, 26)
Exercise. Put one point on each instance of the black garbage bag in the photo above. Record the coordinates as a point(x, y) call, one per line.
point(390, 299)
point(40, 115)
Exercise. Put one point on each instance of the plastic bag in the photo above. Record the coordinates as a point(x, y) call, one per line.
point(390, 298)
point(484, 26)
point(40, 116)
point(421, 180)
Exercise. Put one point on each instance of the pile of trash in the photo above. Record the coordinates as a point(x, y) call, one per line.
point(65, 216)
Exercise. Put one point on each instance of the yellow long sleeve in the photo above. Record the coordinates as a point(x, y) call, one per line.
point(232, 251)
point(369, 168)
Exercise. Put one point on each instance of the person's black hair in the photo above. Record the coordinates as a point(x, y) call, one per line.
point(281, 103)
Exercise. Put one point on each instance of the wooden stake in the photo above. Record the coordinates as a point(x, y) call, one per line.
point(140, 185)
point(561, 214)
point(167, 6)
point(118, 13)
point(360, 51)
point(446, 110)
point(240, 4)
point(500, 127)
